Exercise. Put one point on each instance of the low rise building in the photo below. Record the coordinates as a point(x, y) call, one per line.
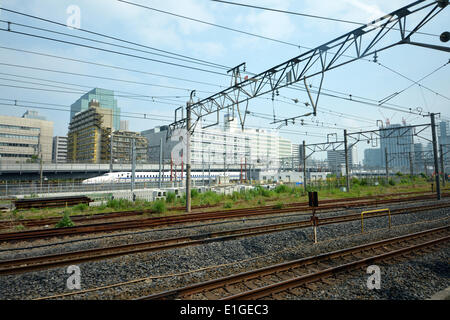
point(26, 139)
point(121, 151)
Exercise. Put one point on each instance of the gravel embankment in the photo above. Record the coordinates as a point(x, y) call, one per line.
point(418, 278)
point(85, 242)
point(99, 273)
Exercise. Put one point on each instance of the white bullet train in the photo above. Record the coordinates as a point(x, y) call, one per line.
point(125, 177)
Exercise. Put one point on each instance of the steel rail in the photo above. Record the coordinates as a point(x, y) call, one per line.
point(5, 224)
point(53, 260)
point(184, 218)
point(185, 292)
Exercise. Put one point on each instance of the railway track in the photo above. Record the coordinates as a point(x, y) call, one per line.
point(286, 277)
point(193, 217)
point(31, 223)
point(21, 204)
point(54, 260)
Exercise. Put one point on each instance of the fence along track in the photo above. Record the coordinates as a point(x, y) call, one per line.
point(266, 281)
point(54, 260)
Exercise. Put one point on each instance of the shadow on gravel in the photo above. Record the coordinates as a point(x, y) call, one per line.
point(439, 268)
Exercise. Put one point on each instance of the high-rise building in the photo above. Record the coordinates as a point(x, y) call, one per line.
point(336, 158)
point(372, 158)
point(106, 100)
point(25, 139)
point(85, 133)
point(59, 154)
point(398, 141)
point(285, 149)
point(444, 133)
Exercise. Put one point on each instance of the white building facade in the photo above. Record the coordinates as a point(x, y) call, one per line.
point(227, 146)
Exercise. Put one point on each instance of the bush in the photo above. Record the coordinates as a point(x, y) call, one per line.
point(282, 189)
point(210, 198)
point(194, 193)
point(118, 204)
point(391, 182)
point(279, 205)
point(236, 196)
point(170, 197)
point(159, 206)
point(228, 205)
point(81, 207)
point(65, 221)
point(262, 192)
point(363, 182)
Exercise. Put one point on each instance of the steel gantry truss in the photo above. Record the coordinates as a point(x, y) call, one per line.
point(359, 43)
point(364, 41)
point(371, 136)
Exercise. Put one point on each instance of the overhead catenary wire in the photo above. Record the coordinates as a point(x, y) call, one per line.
point(116, 38)
point(382, 101)
point(110, 66)
point(122, 1)
point(79, 91)
point(305, 15)
point(99, 77)
point(115, 79)
point(193, 81)
point(113, 51)
point(109, 44)
point(210, 24)
point(143, 116)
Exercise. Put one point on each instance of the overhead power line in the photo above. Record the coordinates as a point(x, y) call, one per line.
point(211, 24)
point(382, 101)
point(117, 39)
point(143, 116)
point(111, 51)
point(109, 66)
point(304, 14)
point(98, 77)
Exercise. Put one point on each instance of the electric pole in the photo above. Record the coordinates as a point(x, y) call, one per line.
point(346, 161)
point(160, 162)
point(111, 153)
point(188, 153)
point(133, 164)
point(304, 164)
point(411, 165)
point(387, 165)
point(435, 154)
point(442, 166)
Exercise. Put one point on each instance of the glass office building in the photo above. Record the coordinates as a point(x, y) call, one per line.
point(104, 97)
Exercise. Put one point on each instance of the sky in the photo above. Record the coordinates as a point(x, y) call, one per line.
point(156, 89)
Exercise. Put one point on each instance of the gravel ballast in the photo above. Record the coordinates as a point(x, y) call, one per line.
point(267, 247)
